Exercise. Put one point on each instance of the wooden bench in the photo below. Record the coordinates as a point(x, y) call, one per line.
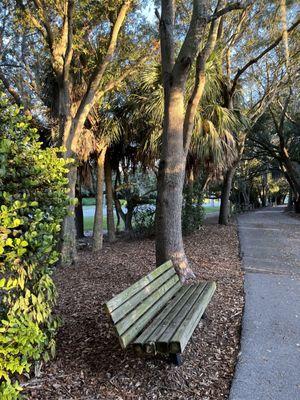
point(158, 314)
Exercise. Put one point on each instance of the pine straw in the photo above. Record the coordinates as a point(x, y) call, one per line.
point(90, 363)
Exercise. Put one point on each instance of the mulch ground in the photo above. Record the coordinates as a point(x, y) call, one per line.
point(90, 363)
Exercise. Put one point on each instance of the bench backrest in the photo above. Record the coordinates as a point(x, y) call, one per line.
point(132, 309)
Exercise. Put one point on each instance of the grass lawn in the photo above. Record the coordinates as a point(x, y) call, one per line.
point(208, 210)
point(89, 223)
point(89, 220)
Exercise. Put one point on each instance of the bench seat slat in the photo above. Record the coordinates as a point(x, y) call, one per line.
point(140, 296)
point(136, 328)
point(162, 343)
point(172, 315)
point(175, 312)
point(130, 318)
point(120, 298)
point(186, 329)
point(160, 318)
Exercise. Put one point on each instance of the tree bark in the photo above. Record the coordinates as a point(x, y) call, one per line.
point(98, 220)
point(128, 221)
point(79, 218)
point(68, 237)
point(109, 201)
point(169, 242)
point(178, 126)
point(225, 197)
point(297, 205)
point(68, 242)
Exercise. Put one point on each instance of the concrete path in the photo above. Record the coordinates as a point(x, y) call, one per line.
point(269, 363)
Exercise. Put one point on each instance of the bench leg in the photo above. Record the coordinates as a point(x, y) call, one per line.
point(176, 359)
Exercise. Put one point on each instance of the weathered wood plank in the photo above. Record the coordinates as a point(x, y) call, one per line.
point(174, 314)
point(139, 324)
point(130, 304)
point(162, 343)
point(120, 298)
point(149, 302)
point(141, 340)
point(186, 329)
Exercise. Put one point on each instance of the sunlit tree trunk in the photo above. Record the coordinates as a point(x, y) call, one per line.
point(68, 247)
point(109, 202)
point(98, 220)
point(178, 123)
point(169, 242)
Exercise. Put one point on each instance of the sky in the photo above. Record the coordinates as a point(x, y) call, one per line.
point(149, 12)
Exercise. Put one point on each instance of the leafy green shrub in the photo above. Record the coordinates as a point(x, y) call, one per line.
point(192, 210)
point(33, 200)
point(144, 220)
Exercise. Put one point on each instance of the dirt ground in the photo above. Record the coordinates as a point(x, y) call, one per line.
point(90, 363)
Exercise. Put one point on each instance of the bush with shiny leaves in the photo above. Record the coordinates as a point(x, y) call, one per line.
point(33, 201)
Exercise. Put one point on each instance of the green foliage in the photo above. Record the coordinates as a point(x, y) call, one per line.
point(192, 210)
point(33, 201)
point(144, 220)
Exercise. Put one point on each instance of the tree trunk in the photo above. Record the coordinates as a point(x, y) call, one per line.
point(297, 205)
point(169, 242)
point(226, 189)
point(109, 201)
point(66, 130)
point(98, 220)
point(263, 198)
point(79, 217)
point(178, 124)
point(128, 221)
point(290, 201)
point(292, 175)
point(68, 241)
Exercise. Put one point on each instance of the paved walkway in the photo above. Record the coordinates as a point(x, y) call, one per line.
point(269, 361)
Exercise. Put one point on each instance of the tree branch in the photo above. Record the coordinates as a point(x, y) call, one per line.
point(166, 28)
point(230, 7)
point(91, 93)
point(199, 82)
point(256, 59)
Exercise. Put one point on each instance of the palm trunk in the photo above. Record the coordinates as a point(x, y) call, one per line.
point(98, 220)
point(109, 201)
point(226, 190)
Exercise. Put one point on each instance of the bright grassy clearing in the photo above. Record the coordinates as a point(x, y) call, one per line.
point(89, 219)
point(88, 222)
point(209, 209)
